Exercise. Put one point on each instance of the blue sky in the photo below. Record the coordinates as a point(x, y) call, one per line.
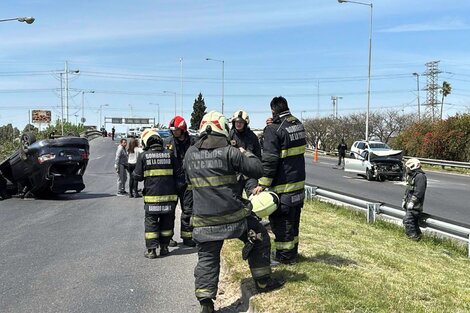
point(129, 53)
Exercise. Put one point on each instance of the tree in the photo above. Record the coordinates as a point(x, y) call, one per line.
point(445, 91)
point(199, 109)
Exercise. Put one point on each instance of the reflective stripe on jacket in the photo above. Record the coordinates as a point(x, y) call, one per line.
point(156, 167)
point(283, 158)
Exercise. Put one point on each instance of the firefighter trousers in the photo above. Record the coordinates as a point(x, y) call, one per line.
point(411, 223)
point(207, 269)
point(186, 204)
point(158, 229)
point(285, 223)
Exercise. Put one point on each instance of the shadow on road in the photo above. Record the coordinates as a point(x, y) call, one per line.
point(182, 250)
point(82, 195)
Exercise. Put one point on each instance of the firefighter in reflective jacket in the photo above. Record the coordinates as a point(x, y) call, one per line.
point(156, 167)
point(284, 173)
point(416, 183)
point(241, 136)
point(178, 144)
point(219, 213)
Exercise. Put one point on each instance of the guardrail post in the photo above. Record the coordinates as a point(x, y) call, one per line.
point(469, 246)
point(372, 209)
point(310, 192)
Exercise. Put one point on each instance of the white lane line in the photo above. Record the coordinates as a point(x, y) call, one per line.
point(97, 158)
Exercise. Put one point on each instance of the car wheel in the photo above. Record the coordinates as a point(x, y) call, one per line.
point(369, 175)
point(381, 178)
point(27, 139)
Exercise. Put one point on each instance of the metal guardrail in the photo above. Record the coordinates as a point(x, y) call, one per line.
point(437, 162)
point(372, 208)
point(91, 134)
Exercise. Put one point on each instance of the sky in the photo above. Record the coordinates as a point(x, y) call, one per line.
point(130, 52)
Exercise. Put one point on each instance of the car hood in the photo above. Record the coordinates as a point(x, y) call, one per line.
point(385, 155)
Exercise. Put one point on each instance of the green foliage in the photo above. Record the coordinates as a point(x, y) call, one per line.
point(9, 135)
point(445, 139)
point(199, 109)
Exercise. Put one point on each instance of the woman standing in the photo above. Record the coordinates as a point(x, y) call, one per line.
point(133, 151)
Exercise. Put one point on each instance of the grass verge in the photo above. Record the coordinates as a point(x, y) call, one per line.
point(446, 169)
point(347, 265)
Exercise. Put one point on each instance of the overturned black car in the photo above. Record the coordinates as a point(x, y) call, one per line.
point(47, 167)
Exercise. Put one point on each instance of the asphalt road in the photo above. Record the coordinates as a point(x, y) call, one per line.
point(84, 252)
point(447, 195)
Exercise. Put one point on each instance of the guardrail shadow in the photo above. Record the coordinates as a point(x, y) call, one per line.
point(329, 259)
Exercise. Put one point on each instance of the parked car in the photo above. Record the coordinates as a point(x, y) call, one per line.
point(377, 164)
point(131, 132)
point(359, 146)
point(49, 166)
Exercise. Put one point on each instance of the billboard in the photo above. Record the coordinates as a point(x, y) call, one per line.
point(40, 116)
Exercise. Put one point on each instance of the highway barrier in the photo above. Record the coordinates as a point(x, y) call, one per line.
point(373, 209)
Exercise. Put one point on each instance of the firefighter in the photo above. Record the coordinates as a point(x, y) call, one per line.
point(179, 143)
point(157, 167)
point(219, 213)
point(284, 173)
point(241, 136)
point(416, 183)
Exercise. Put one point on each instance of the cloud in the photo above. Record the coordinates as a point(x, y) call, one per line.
point(442, 25)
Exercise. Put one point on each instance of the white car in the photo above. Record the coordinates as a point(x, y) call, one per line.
point(359, 146)
point(377, 164)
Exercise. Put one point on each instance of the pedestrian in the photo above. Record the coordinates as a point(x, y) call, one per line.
point(416, 184)
point(156, 167)
point(178, 143)
point(219, 212)
point(241, 136)
point(113, 131)
point(133, 152)
point(342, 147)
point(120, 165)
point(284, 173)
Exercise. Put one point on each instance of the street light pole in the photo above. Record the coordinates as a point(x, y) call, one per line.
point(370, 59)
point(419, 104)
point(223, 78)
point(181, 63)
point(83, 104)
point(101, 110)
point(174, 93)
point(26, 19)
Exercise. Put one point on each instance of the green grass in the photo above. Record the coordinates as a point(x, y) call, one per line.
point(347, 265)
point(446, 169)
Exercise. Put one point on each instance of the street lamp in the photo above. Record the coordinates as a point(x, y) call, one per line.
point(158, 111)
point(419, 104)
point(223, 78)
point(370, 54)
point(335, 101)
point(26, 19)
point(83, 104)
point(101, 110)
point(174, 93)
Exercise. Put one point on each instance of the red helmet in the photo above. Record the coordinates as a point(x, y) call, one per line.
point(178, 122)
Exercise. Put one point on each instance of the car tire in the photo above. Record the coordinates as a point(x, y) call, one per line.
point(369, 175)
point(26, 140)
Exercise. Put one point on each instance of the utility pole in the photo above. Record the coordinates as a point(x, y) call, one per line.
point(181, 63)
point(432, 88)
point(419, 104)
point(66, 92)
point(61, 105)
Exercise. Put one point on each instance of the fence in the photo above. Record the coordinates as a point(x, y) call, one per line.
point(434, 224)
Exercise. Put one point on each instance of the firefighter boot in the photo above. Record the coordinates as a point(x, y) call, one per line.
point(207, 306)
point(164, 250)
point(173, 243)
point(150, 254)
point(269, 284)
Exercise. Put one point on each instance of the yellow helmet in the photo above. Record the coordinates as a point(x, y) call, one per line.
point(241, 115)
point(413, 164)
point(264, 203)
point(214, 123)
point(149, 137)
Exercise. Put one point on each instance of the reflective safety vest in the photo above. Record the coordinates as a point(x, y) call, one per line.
point(212, 177)
point(283, 159)
point(156, 167)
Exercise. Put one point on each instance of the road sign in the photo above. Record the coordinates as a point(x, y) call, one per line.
point(116, 120)
point(136, 121)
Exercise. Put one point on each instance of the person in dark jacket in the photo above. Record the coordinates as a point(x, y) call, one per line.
point(342, 147)
point(157, 167)
point(113, 132)
point(178, 144)
point(413, 200)
point(284, 173)
point(241, 136)
point(219, 212)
